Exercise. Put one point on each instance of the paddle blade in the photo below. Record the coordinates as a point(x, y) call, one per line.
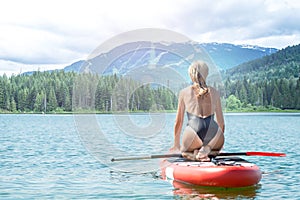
point(265, 154)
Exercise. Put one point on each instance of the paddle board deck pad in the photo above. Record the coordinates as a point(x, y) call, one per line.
point(219, 172)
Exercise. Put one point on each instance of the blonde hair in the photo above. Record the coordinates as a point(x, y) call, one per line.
point(198, 72)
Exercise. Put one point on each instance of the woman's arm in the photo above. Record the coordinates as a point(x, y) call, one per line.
point(179, 121)
point(219, 113)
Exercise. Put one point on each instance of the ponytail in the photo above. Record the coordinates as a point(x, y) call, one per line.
point(198, 72)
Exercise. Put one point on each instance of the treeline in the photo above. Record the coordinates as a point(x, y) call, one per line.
point(274, 93)
point(271, 81)
point(37, 92)
point(59, 91)
point(282, 64)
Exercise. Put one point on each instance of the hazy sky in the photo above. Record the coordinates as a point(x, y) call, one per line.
point(48, 34)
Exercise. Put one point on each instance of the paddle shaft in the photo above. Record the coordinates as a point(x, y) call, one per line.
point(219, 154)
point(146, 157)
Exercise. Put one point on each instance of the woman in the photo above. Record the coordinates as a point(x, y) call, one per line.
point(205, 126)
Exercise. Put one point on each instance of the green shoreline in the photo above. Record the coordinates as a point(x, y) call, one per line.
point(141, 112)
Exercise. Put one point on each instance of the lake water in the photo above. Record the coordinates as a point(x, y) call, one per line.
point(68, 157)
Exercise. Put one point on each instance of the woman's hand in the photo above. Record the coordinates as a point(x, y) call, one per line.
point(175, 149)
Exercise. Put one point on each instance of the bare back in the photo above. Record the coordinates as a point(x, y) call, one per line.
point(204, 106)
point(200, 106)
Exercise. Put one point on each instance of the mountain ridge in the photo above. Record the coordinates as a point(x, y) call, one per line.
point(285, 63)
point(223, 55)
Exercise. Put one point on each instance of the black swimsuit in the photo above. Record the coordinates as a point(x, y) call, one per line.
point(206, 128)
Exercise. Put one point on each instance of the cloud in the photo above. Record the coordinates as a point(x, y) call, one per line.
point(235, 20)
point(10, 67)
point(34, 32)
point(35, 46)
point(41, 32)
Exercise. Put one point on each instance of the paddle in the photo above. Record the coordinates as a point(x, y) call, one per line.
point(251, 153)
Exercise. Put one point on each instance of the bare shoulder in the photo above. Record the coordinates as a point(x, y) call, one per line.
point(185, 90)
point(214, 91)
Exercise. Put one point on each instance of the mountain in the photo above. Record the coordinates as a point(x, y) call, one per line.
point(74, 66)
point(284, 63)
point(227, 56)
point(132, 55)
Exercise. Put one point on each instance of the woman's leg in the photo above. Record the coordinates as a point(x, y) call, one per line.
point(213, 146)
point(190, 143)
point(217, 141)
point(190, 140)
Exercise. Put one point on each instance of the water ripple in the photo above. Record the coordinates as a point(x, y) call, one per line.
point(43, 157)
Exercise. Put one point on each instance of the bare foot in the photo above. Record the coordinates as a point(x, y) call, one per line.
point(202, 154)
point(203, 159)
point(190, 155)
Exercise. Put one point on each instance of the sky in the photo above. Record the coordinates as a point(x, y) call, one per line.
point(51, 34)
